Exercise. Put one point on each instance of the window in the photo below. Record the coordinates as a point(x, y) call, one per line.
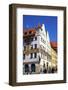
point(43, 40)
point(23, 56)
point(32, 67)
point(26, 68)
point(24, 40)
point(30, 32)
point(41, 29)
point(25, 33)
point(31, 55)
point(35, 38)
point(35, 46)
point(24, 48)
point(31, 46)
point(35, 55)
point(31, 39)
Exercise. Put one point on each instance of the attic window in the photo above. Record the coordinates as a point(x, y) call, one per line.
point(30, 32)
point(25, 33)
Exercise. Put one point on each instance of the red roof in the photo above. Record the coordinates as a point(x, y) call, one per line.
point(54, 44)
point(29, 32)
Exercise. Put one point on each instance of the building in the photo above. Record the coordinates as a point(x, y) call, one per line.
point(36, 51)
point(54, 45)
point(54, 55)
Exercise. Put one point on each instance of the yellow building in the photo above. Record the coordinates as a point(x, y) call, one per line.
point(54, 58)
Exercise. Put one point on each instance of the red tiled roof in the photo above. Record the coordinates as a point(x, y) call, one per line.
point(54, 44)
point(29, 32)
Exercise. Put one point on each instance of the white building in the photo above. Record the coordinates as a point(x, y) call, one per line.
point(37, 50)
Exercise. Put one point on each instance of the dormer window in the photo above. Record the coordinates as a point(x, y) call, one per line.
point(25, 33)
point(30, 32)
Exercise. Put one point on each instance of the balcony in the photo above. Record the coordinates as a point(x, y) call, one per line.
point(33, 60)
point(28, 51)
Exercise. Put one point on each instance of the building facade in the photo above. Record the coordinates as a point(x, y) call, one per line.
point(54, 59)
point(37, 51)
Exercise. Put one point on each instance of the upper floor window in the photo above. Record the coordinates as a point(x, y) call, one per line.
point(35, 38)
point(35, 55)
point(24, 40)
point(31, 39)
point(23, 56)
point(30, 32)
point(25, 33)
point(43, 40)
point(31, 46)
point(35, 46)
point(24, 47)
point(41, 29)
point(31, 55)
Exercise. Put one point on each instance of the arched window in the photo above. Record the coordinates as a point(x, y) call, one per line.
point(33, 67)
point(26, 68)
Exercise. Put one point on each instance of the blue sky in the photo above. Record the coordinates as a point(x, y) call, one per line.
point(50, 22)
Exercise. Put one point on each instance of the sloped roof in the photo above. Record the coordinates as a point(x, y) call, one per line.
point(29, 32)
point(53, 44)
